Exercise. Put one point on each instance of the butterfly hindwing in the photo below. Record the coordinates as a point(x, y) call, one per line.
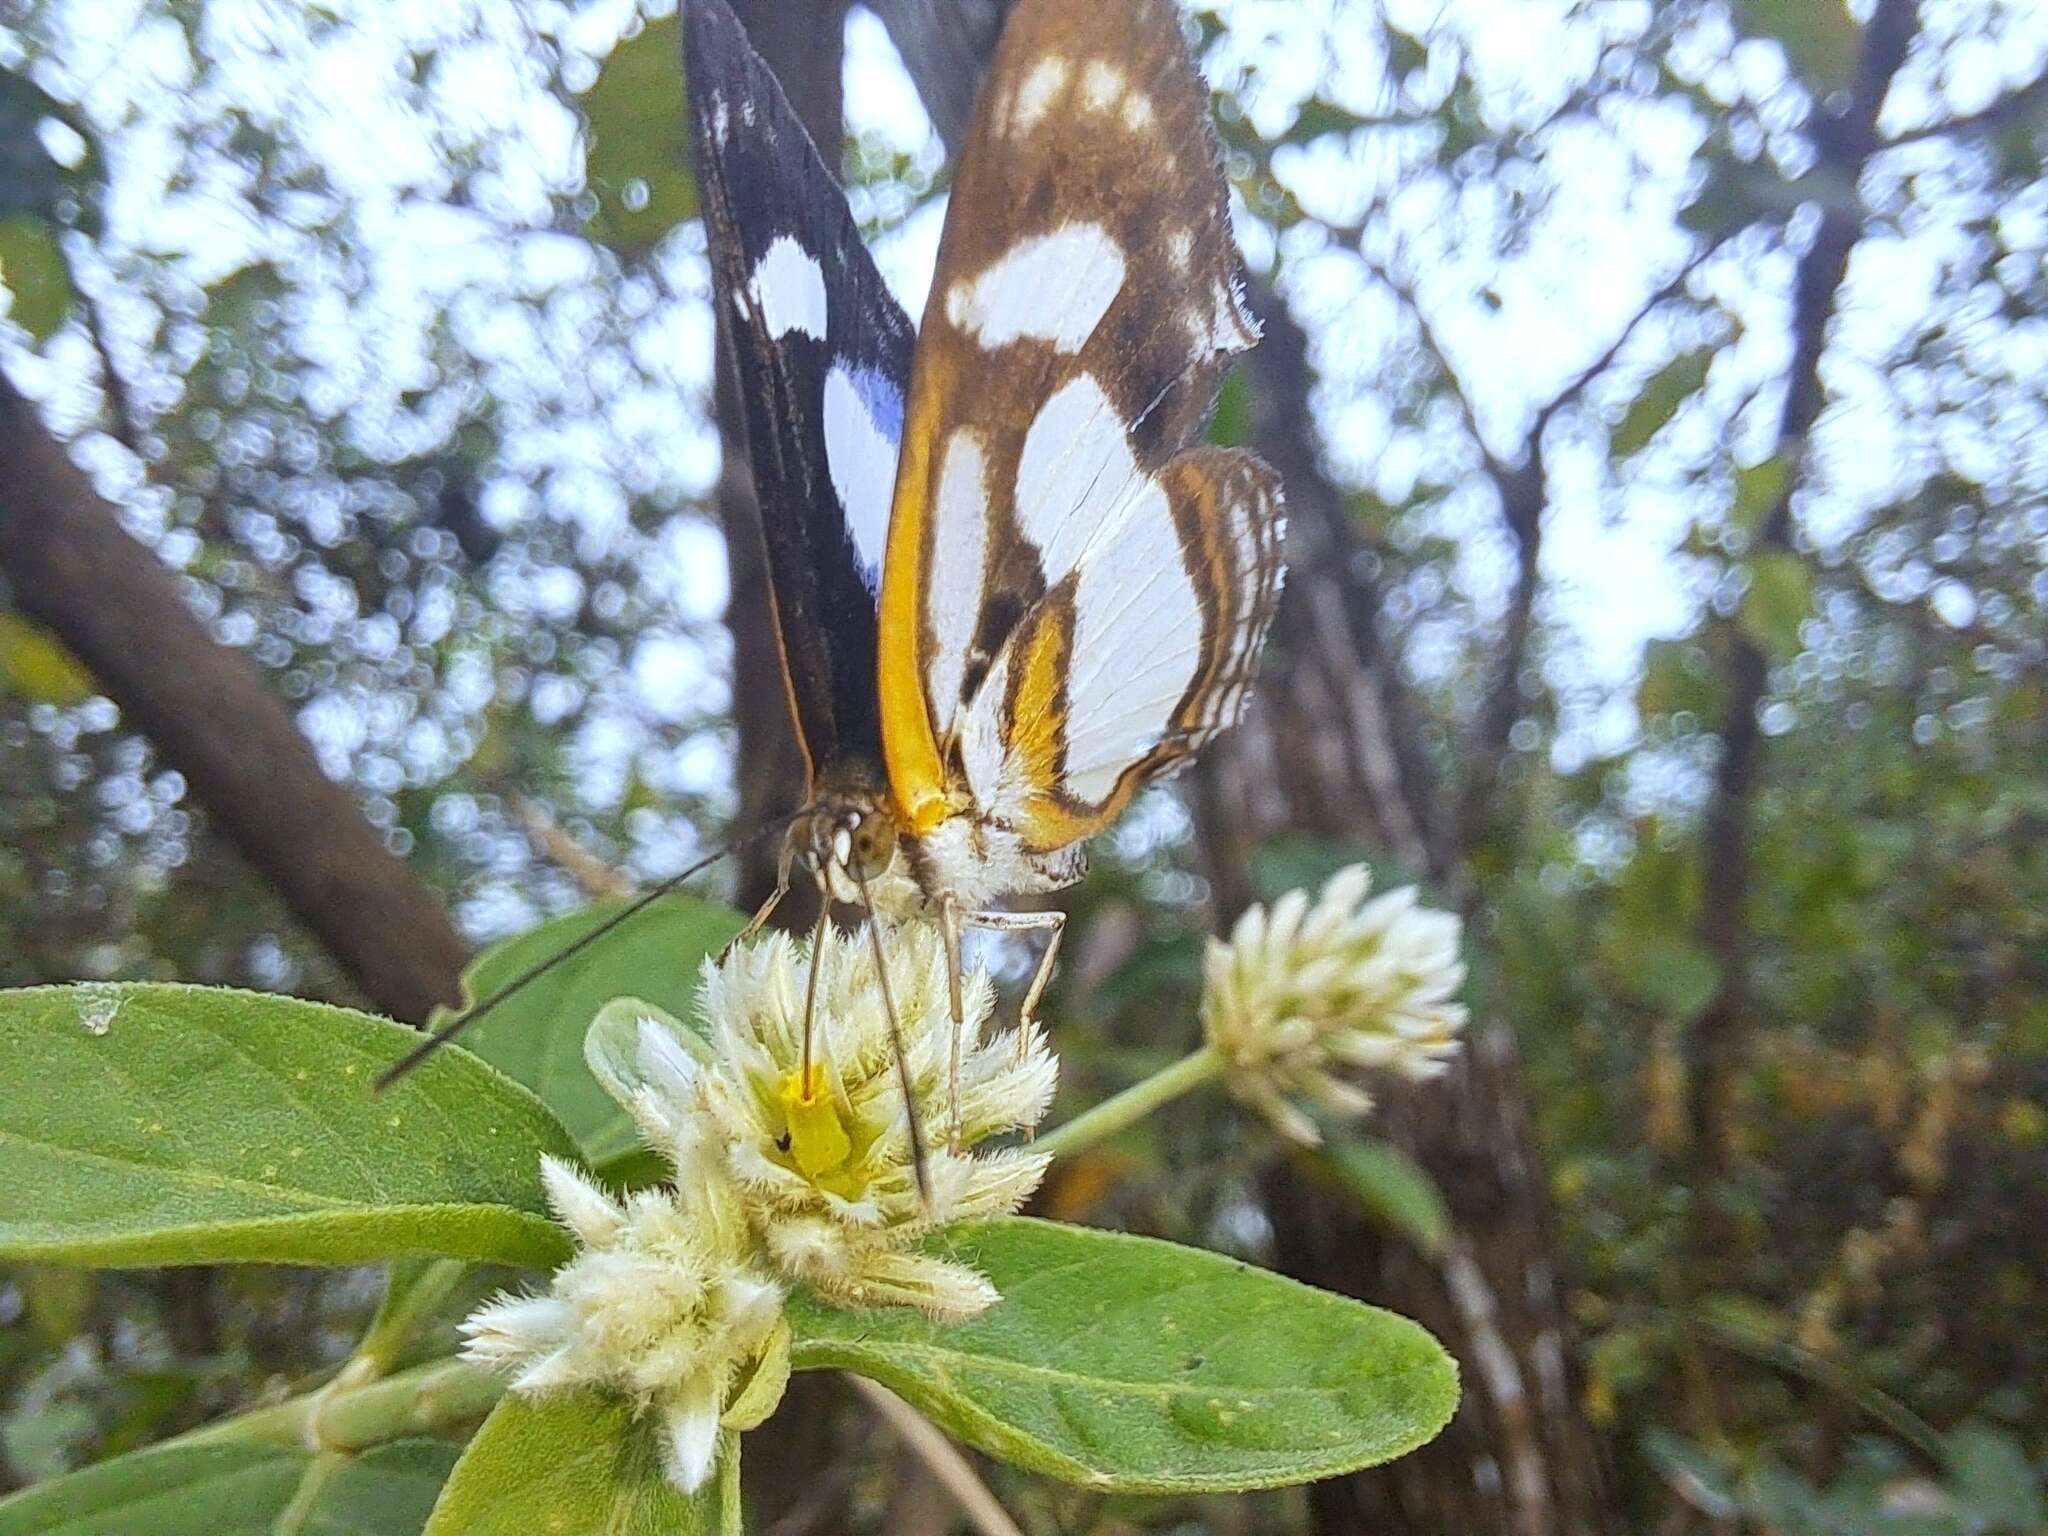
point(821, 351)
point(1074, 594)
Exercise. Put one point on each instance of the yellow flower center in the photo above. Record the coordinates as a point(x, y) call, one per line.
point(818, 1140)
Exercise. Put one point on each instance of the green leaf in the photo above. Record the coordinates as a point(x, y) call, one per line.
point(33, 271)
point(1394, 1188)
point(536, 1035)
point(1659, 399)
point(1776, 604)
point(1820, 38)
point(1672, 974)
point(191, 1125)
point(239, 1490)
point(583, 1459)
point(35, 665)
point(1231, 426)
point(1131, 1364)
point(638, 160)
point(1993, 1476)
point(1757, 490)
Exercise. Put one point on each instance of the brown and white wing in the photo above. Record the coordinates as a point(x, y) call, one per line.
point(1074, 595)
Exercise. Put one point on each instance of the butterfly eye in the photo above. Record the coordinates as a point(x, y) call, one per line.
point(874, 844)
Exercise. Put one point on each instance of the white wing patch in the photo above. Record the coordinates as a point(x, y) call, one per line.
point(1054, 288)
point(992, 779)
point(1101, 84)
point(1075, 465)
point(788, 289)
point(1230, 326)
point(953, 596)
point(1083, 501)
point(861, 432)
point(1035, 94)
point(1137, 645)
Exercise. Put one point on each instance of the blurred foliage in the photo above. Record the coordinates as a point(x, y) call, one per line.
point(387, 331)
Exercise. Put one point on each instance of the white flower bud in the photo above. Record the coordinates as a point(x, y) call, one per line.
point(661, 1304)
point(1302, 991)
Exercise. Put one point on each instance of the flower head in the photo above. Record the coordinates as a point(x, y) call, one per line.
point(1299, 993)
point(824, 1168)
point(661, 1304)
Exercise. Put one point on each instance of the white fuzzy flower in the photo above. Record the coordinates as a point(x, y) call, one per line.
point(1302, 992)
point(824, 1170)
point(661, 1304)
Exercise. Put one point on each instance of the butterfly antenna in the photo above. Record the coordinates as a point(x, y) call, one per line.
point(458, 1025)
point(920, 1164)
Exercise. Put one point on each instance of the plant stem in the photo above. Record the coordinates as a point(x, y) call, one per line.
point(411, 1294)
point(440, 1394)
point(730, 1513)
point(1134, 1103)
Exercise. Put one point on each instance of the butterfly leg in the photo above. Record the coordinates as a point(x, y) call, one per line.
point(767, 908)
point(1052, 924)
point(949, 928)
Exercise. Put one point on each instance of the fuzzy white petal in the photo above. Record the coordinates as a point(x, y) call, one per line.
point(509, 1327)
point(578, 1204)
point(690, 1434)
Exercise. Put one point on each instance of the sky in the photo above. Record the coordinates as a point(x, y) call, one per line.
point(602, 381)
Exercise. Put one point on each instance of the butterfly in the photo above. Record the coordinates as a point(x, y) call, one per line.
point(1010, 585)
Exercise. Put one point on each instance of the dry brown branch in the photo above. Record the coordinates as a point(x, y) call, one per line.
point(940, 1457)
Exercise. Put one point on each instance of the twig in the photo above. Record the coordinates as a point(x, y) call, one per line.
point(1404, 295)
point(1522, 487)
point(942, 1459)
point(120, 407)
point(1664, 294)
point(594, 878)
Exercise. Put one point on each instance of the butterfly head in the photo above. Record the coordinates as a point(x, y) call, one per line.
point(847, 838)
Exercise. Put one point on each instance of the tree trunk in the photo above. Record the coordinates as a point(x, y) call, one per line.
point(69, 565)
point(1336, 750)
point(1332, 750)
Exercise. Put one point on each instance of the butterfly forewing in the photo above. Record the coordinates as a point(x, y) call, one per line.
point(822, 353)
point(1073, 596)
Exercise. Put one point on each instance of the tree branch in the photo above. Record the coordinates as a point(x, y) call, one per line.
point(1716, 1041)
point(1522, 488)
point(71, 567)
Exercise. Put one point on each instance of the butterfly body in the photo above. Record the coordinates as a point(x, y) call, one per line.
point(1011, 585)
